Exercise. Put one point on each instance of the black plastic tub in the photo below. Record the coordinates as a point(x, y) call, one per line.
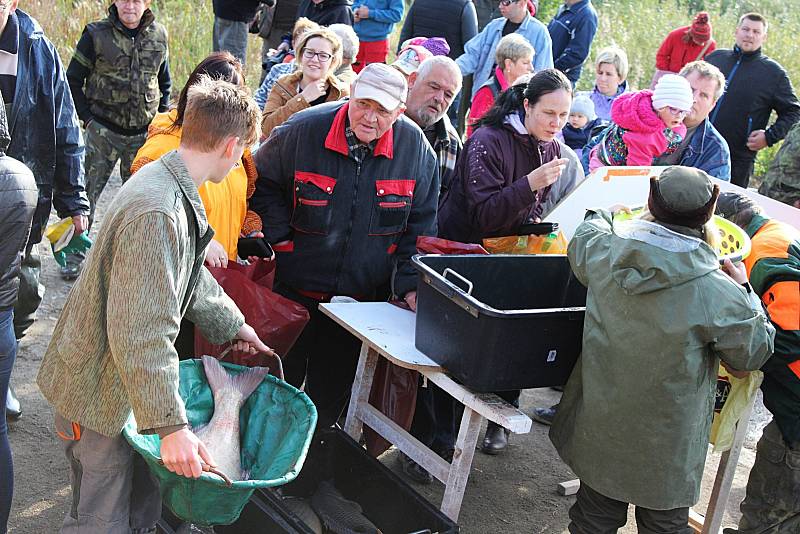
point(500, 322)
point(386, 499)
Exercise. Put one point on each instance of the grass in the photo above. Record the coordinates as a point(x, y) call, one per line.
point(638, 26)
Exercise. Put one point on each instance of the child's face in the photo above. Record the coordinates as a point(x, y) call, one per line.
point(578, 120)
point(670, 116)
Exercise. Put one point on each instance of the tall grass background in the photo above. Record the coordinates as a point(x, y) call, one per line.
point(638, 26)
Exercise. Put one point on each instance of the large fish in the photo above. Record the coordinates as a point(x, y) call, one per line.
point(221, 434)
point(338, 514)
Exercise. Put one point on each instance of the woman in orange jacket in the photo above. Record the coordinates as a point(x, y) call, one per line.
point(226, 202)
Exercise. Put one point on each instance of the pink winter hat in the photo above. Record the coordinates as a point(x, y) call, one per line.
point(674, 91)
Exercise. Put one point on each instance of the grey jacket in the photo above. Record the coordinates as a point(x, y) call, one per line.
point(18, 196)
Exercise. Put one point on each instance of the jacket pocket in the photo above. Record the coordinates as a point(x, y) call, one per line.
point(313, 211)
point(392, 206)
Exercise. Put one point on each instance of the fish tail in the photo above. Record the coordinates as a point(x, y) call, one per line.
point(245, 382)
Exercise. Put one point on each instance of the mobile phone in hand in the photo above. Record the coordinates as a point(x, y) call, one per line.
point(254, 246)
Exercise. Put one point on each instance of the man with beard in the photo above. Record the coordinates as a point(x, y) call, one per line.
point(431, 90)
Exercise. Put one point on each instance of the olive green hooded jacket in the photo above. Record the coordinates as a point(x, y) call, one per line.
point(634, 420)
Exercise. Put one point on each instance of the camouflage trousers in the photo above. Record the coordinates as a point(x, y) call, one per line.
point(772, 502)
point(104, 149)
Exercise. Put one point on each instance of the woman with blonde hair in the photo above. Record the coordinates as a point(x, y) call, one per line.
point(514, 58)
point(319, 53)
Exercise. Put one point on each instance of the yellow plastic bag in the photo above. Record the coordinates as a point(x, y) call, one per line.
point(733, 396)
point(553, 243)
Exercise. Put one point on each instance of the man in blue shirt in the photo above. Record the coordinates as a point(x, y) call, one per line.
point(572, 31)
point(478, 57)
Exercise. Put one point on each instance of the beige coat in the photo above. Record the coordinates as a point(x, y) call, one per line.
point(284, 100)
point(112, 348)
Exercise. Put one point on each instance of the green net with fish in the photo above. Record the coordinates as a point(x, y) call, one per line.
point(277, 422)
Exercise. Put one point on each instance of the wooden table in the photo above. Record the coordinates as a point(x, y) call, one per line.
point(388, 331)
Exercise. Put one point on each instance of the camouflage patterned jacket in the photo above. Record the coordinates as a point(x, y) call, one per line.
point(120, 77)
point(782, 181)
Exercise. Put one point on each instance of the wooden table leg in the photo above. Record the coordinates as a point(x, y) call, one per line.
point(359, 394)
point(462, 461)
point(725, 473)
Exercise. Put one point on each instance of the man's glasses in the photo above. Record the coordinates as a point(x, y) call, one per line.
point(506, 3)
point(323, 56)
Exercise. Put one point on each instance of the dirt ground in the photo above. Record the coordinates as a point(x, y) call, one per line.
point(513, 492)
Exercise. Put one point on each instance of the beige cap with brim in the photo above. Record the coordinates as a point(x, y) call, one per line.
point(381, 83)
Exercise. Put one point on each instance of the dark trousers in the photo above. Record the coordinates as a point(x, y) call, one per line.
point(594, 513)
point(436, 418)
point(325, 357)
point(741, 171)
point(772, 502)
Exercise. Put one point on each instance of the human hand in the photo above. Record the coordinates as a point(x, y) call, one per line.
point(411, 300)
point(314, 90)
point(249, 342)
point(362, 12)
point(81, 223)
point(182, 453)
point(734, 372)
point(757, 140)
point(216, 255)
point(547, 174)
point(737, 272)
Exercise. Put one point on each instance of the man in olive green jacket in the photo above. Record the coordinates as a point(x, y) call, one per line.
point(112, 349)
point(634, 420)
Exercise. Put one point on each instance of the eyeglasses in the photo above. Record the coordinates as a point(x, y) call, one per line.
point(677, 112)
point(506, 3)
point(323, 56)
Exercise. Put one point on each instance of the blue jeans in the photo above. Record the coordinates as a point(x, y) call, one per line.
point(8, 351)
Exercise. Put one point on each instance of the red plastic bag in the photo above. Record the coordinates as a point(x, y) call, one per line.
point(437, 245)
point(278, 321)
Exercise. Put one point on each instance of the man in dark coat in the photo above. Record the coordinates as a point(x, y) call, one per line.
point(756, 85)
point(45, 136)
point(327, 12)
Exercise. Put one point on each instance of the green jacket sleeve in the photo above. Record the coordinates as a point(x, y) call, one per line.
point(143, 318)
point(595, 229)
point(212, 311)
point(741, 333)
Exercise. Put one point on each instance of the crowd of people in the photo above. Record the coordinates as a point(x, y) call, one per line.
point(340, 162)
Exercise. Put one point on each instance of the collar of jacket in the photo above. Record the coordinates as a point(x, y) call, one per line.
point(746, 55)
point(337, 141)
point(445, 133)
point(575, 8)
point(176, 166)
point(146, 20)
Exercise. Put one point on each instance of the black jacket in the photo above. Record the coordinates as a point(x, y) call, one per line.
point(455, 20)
point(327, 12)
point(18, 196)
point(236, 10)
point(349, 224)
point(756, 85)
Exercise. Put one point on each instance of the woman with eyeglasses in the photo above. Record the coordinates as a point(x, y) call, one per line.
point(645, 125)
point(512, 171)
point(319, 53)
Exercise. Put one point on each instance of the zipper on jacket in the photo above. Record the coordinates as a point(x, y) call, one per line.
point(727, 84)
point(349, 233)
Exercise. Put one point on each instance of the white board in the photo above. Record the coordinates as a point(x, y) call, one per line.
point(630, 186)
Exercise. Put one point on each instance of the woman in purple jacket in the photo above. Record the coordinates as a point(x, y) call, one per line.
point(512, 171)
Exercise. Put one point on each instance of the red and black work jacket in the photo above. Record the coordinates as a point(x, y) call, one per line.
point(350, 224)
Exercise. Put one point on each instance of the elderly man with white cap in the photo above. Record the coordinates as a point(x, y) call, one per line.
point(344, 190)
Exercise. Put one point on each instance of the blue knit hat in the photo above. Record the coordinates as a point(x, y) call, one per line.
point(583, 104)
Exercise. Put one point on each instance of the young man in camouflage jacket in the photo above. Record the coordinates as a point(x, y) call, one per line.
point(782, 181)
point(119, 78)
